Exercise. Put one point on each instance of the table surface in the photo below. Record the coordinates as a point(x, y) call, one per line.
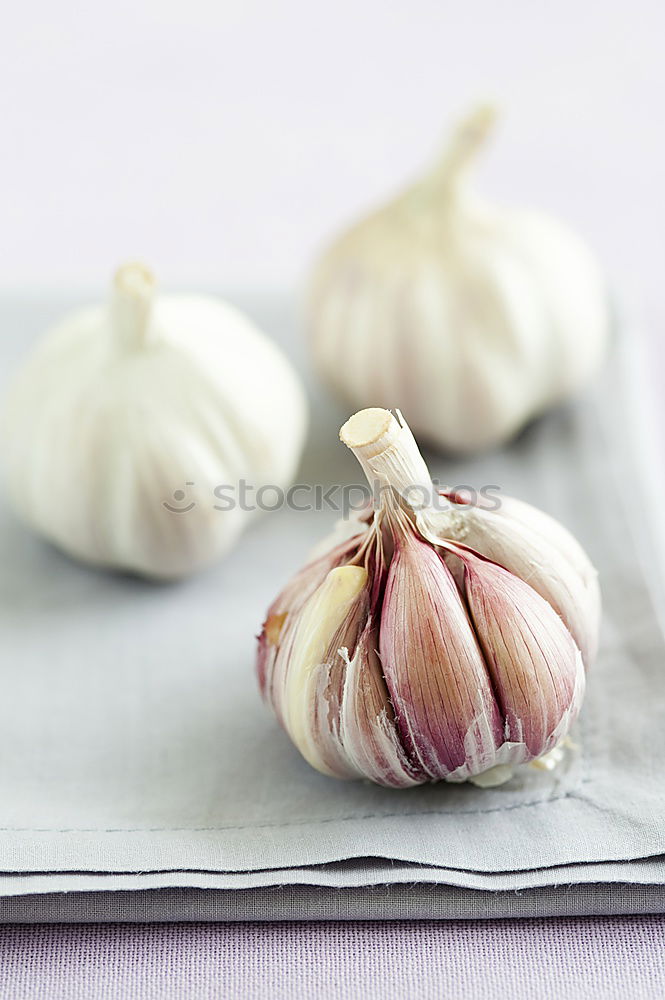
point(576, 958)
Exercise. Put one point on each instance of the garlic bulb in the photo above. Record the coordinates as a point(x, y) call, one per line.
point(471, 319)
point(128, 416)
point(441, 640)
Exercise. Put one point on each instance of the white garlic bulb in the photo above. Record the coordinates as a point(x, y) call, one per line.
point(470, 318)
point(128, 416)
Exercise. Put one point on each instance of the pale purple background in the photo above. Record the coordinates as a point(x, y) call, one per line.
point(520, 960)
point(223, 142)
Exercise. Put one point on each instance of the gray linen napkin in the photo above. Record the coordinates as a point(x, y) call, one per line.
point(136, 755)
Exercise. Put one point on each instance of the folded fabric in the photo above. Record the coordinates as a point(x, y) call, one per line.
point(419, 901)
point(138, 761)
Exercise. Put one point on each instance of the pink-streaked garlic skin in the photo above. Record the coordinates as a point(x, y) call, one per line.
point(536, 548)
point(433, 664)
point(533, 692)
point(431, 645)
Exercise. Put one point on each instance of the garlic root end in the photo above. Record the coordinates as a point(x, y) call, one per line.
point(133, 289)
point(368, 428)
point(467, 139)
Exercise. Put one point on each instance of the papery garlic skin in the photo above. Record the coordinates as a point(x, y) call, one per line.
point(148, 401)
point(535, 547)
point(433, 665)
point(471, 319)
point(410, 653)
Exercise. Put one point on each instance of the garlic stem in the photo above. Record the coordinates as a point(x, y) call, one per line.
point(389, 455)
point(131, 304)
point(469, 136)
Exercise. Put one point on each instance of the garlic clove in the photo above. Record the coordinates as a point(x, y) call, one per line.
point(283, 614)
point(333, 699)
point(350, 722)
point(536, 669)
point(433, 666)
point(325, 624)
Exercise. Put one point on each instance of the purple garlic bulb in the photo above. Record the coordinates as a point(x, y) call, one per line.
point(442, 640)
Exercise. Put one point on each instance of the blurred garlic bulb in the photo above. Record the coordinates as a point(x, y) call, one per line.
point(440, 641)
point(128, 416)
point(470, 318)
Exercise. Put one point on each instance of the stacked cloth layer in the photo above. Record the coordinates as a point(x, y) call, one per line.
point(142, 777)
